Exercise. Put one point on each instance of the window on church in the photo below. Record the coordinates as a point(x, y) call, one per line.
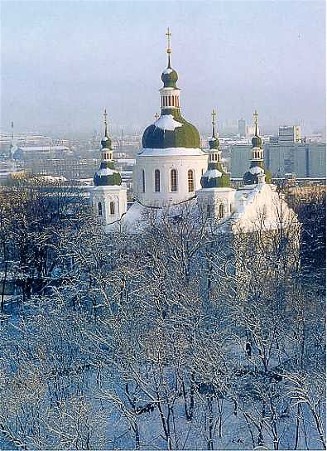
point(173, 180)
point(221, 211)
point(190, 180)
point(143, 181)
point(100, 209)
point(209, 211)
point(157, 181)
point(112, 208)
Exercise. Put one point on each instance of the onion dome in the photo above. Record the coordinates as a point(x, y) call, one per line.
point(169, 77)
point(171, 129)
point(214, 143)
point(106, 175)
point(215, 176)
point(256, 141)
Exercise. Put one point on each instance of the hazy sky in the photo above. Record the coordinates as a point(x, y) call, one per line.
point(63, 62)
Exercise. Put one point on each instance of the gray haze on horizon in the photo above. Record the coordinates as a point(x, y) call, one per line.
point(64, 62)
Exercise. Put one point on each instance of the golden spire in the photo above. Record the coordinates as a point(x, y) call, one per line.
point(105, 123)
point(255, 118)
point(168, 34)
point(213, 115)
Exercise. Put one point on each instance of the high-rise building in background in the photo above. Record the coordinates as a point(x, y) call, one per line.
point(289, 133)
point(241, 127)
point(284, 156)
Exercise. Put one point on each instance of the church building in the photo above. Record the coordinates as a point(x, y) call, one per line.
point(172, 170)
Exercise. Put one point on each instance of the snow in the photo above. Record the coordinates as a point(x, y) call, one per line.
point(167, 122)
point(42, 148)
point(105, 171)
point(170, 151)
point(256, 170)
point(213, 173)
point(167, 71)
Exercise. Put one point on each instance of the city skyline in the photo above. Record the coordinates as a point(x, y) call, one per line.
point(64, 62)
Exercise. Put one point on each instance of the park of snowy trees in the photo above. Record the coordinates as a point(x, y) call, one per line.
point(176, 338)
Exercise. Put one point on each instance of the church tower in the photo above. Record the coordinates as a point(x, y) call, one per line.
point(170, 164)
point(216, 196)
point(256, 174)
point(109, 196)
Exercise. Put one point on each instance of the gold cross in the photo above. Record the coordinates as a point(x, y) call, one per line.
point(255, 117)
point(105, 123)
point(213, 114)
point(156, 116)
point(168, 34)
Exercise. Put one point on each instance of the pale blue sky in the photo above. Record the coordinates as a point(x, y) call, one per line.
point(64, 61)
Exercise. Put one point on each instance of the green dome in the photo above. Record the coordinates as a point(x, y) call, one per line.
point(107, 175)
point(180, 134)
point(256, 141)
point(214, 143)
point(169, 78)
point(106, 142)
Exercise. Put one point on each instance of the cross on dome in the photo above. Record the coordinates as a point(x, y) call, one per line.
point(105, 123)
point(213, 115)
point(255, 118)
point(168, 34)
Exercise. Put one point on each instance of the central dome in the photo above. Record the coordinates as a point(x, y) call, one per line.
point(171, 130)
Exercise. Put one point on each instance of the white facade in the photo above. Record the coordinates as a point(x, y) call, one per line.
point(218, 203)
point(109, 203)
point(168, 176)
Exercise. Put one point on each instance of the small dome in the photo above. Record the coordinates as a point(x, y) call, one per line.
point(106, 142)
point(214, 177)
point(175, 132)
point(169, 78)
point(256, 141)
point(106, 175)
point(251, 176)
point(214, 143)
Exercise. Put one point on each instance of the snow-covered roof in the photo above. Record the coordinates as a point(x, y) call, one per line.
point(167, 122)
point(42, 148)
point(105, 171)
point(171, 151)
point(212, 174)
point(256, 170)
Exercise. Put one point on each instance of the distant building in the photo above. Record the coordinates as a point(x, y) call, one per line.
point(239, 157)
point(299, 158)
point(289, 133)
point(241, 128)
point(287, 153)
point(56, 161)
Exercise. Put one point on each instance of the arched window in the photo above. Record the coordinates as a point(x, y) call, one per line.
point(157, 181)
point(143, 181)
point(221, 211)
point(112, 208)
point(173, 180)
point(190, 180)
point(99, 208)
